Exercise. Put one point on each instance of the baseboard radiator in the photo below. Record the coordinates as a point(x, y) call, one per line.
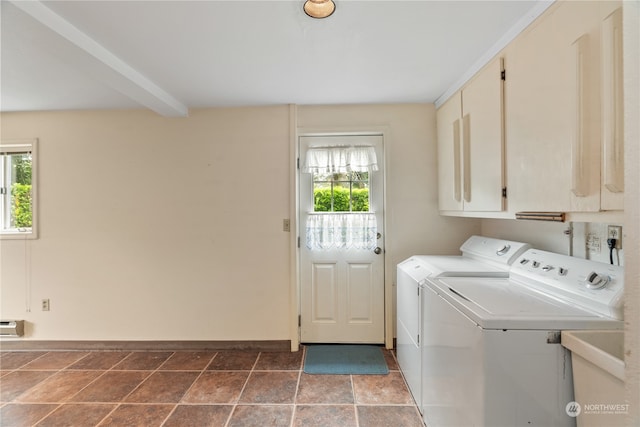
point(11, 328)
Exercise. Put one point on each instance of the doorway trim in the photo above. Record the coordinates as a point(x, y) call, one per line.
point(294, 299)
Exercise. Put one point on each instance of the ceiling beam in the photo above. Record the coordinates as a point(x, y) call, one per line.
point(88, 55)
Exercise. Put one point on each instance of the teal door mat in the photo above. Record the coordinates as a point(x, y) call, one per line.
point(344, 359)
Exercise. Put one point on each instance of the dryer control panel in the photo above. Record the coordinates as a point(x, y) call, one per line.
point(593, 285)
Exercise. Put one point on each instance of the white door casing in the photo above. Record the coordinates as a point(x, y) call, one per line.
point(342, 290)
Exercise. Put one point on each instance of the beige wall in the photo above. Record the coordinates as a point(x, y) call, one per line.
point(413, 223)
point(154, 228)
point(412, 217)
point(157, 228)
point(631, 43)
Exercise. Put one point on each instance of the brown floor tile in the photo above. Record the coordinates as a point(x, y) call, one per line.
point(77, 415)
point(195, 388)
point(100, 360)
point(261, 415)
point(163, 387)
point(336, 389)
point(270, 387)
point(20, 415)
point(392, 364)
point(325, 416)
point(396, 416)
point(143, 360)
point(188, 361)
point(59, 387)
point(217, 387)
point(112, 386)
point(233, 361)
point(381, 389)
point(16, 359)
point(284, 361)
point(15, 383)
point(199, 416)
point(55, 360)
point(137, 415)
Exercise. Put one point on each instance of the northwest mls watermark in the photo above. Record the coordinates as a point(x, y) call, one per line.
point(574, 409)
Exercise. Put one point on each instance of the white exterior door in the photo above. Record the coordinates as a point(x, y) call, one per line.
point(341, 245)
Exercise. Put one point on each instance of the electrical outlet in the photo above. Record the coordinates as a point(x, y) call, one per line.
point(615, 232)
point(286, 225)
point(45, 304)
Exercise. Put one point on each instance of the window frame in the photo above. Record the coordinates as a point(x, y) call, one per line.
point(20, 146)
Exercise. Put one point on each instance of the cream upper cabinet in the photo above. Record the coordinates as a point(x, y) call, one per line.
point(612, 191)
point(471, 145)
point(557, 107)
point(448, 124)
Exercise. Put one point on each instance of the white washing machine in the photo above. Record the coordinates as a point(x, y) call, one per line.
point(481, 257)
point(491, 346)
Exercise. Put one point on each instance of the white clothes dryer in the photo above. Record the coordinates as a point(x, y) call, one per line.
point(481, 257)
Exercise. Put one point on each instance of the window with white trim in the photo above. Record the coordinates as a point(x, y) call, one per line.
point(18, 189)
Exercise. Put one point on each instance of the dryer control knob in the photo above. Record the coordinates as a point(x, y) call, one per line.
point(595, 281)
point(503, 250)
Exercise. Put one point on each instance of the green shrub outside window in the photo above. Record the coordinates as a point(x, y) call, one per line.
point(21, 214)
point(341, 192)
point(359, 199)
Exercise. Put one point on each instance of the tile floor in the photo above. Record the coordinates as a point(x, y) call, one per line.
point(203, 388)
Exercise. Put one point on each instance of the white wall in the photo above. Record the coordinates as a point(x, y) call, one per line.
point(631, 43)
point(589, 238)
point(157, 228)
point(414, 223)
point(154, 228)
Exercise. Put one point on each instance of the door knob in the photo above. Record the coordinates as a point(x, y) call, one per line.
point(377, 250)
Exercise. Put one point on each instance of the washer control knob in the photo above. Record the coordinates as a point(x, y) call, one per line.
point(547, 268)
point(595, 281)
point(562, 271)
point(536, 264)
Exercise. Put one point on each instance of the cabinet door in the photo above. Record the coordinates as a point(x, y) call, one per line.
point(448, 122)
point(482, 140)
point(541, 119)
point(612, 192)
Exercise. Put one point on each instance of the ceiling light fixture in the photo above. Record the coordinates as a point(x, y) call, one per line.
point(319, 8)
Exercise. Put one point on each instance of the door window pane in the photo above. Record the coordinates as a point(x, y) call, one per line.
point(341, 192)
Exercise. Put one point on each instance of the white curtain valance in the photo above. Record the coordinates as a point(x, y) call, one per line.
point(341, 231)
point(341, 159)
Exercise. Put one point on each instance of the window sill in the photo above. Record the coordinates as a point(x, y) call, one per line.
point(18, 235)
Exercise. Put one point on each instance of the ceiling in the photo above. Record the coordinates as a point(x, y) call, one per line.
point(171, 56)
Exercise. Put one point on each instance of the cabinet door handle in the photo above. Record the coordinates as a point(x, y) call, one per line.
point(579, 147)
point(466, 157)
point(612, 115)
point(456, 161)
